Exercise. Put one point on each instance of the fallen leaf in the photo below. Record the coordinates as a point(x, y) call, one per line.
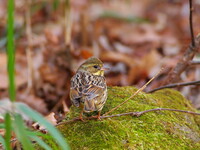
point(86, 54)
point(50, 118)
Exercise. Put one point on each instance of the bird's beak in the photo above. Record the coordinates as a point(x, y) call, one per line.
point(105, 68)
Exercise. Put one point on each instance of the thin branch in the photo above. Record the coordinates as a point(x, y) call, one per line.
point(176, 85)
point(191, 23)
point(67, 22)
point(138, 91)
point(31, 85)
point(137, 114)
point(182, 65)
point(67, 31)
point(84, 26)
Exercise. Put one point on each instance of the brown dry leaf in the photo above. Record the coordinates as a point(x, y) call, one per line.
point(20, 73)
point(134, 73)
point(138, 34)
point(3, 60)
point(104, 43)
point(86, 54)
point(123, 48)
point(51, 36)
point(13, 138)
point(2, 10)
point(128, 34)
point(48, 74)
point(3, 71)
point(131, 62)
point(136, 69)
point(21, 79)
point(150, 60)
point(118, 57)
point(2, 132)
point(3, 81)
point(50, 118)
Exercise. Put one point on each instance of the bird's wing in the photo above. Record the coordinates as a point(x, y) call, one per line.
point(92, 92)
point(75, 97)
point(75, 94)
point(91, 96)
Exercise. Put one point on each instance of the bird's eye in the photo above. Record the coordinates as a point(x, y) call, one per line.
point(96, 67)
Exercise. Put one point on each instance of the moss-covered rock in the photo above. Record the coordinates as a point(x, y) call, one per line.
point(153, 130)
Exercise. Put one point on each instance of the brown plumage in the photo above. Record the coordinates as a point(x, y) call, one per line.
point(88, 87)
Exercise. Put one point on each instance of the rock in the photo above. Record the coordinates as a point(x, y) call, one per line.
point(153, 130)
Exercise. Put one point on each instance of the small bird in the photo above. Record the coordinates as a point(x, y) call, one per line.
point(88, 87)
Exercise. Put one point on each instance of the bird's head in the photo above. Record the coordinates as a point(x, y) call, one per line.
point(94, 66)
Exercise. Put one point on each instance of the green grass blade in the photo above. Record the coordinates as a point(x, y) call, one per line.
point(40, 142)
point(8, 131)
point(21, 133)
point(10, 49)
point(51, 129)
point(38, 133)
point(35, 136)
point(2, 142)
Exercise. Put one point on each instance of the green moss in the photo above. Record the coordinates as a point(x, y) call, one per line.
point(154, 130)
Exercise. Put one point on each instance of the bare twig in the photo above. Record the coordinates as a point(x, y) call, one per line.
point(175, 85)
point(138, 91)
point(188, 56)
point(67, 30)
point(31, 85)
point(191, 24)
point(137, 114)
point(67, 22)
point(84, 26)
point(183, 63)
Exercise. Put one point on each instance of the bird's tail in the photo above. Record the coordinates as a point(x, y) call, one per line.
point(89, 106)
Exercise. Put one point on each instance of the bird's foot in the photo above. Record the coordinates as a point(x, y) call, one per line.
point(97, 117)
point(81, 119)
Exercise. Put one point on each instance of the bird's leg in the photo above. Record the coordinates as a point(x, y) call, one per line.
point(81, 115)
point(98, 116)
